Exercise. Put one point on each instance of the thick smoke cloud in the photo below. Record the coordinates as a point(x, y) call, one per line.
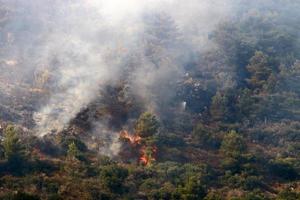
point(82, 44)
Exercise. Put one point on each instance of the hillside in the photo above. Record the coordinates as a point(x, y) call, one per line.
point(149, 100)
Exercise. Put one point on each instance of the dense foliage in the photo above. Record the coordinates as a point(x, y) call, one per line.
point(235, 136)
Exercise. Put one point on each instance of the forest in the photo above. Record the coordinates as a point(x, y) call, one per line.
point(161, 100)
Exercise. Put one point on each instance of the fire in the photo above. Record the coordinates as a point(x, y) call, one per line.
point(147, 154)
point(134, 139)
point(144, 160)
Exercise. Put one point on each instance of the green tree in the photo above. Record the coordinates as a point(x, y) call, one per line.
point(255, 196)
point(288, 194)
point(73, 166)
point(213, 196)
point(20, 196)
point(283, 169)
point(66, 140)
point(233, 144)
point(192, 190)
point(73, 151)
point(245, 103)
point(161, 37)
point(13, 148)
point(233, 147)
point(223, 106)
point(147, 125)
point(259, 69)
point(205, 137)
point(113, 177)
point(290, 78)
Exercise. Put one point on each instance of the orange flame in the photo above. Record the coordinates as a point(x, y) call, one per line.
point(144, 160)
point(148, 157)
point(134, 139)
point(147, 154)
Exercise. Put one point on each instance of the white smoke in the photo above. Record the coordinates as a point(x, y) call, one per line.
point(81, 75)
point(83, 42)
point(104, 140)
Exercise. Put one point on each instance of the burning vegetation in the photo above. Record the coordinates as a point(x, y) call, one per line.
point(133, 139)
point(147, 154)
point(142, 140)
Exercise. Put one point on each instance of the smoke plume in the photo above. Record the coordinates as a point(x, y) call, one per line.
point(74, 48)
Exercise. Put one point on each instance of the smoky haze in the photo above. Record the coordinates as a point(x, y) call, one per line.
point(75, 48)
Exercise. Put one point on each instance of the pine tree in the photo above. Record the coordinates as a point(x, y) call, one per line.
point(233, 144)
point(13, 149)
point(160, 38)
point(73, 166)
point(259, 69)
point(147, 125)
point(223, 106)
point(73, 151)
